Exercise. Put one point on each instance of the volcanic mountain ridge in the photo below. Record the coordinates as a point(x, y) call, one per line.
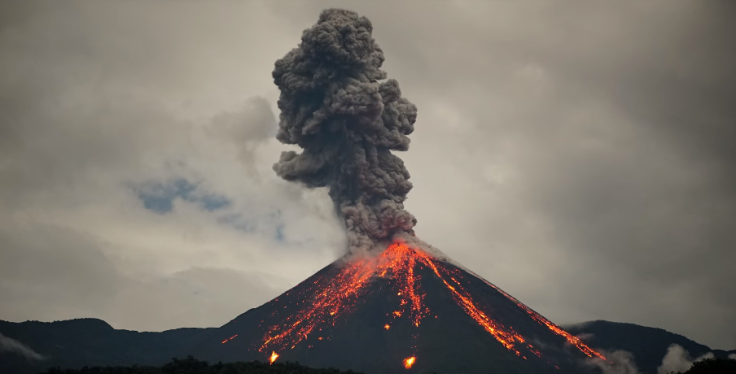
point(405, 308)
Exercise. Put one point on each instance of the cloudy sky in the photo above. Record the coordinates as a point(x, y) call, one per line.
point(578, 154)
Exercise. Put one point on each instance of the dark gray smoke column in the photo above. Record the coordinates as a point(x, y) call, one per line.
point(334, 107)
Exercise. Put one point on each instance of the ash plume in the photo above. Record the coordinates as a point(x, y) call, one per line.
point(336, 104)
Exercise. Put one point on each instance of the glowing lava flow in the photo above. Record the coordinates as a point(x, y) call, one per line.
point(545, 322)
point(273, 357)
point(229, 339)
point(328, 298)
point(331, 298)
point(506, 336)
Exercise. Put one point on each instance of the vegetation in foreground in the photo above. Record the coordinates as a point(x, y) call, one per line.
point(713, 366)
point(191, 365)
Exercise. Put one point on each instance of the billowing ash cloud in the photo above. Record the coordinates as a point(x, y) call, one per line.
point(336, 105)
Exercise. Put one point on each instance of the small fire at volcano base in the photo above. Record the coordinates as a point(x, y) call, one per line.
point(408, 362)
point(273, 357)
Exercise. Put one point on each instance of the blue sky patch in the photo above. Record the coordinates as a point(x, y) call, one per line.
point(159, 196)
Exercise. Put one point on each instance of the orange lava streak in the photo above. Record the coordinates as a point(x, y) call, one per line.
point(507, 337)
point(543, 321)
point(273, 357)
point(400, 260)
point(328, 299)
point(408, 362)
point(339, 295)
point(229, 339)
point(342, 293)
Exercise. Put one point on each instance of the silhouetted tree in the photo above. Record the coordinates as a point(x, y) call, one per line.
point(712, 366)
point(190, 365)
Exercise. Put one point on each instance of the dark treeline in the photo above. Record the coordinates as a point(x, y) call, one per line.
point(713, 366)
point(191, 365)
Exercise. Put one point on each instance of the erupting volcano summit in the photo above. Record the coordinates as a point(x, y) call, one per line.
point(393, 303)
point(406, 308)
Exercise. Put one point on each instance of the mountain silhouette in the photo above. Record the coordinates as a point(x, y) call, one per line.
point(404, 307)
point(89, 342)
point(647, 344)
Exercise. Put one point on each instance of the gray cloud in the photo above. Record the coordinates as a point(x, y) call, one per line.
point(100, 136)
point(13, 346)
point(229, 126)
point(57, 273)
point(586, 164)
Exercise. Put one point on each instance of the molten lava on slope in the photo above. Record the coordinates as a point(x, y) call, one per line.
point(385, 302)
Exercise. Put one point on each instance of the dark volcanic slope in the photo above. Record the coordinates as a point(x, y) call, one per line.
point(90, 342)
point(447, 340)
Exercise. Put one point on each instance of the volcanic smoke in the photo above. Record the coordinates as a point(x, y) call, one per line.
point(336, 105)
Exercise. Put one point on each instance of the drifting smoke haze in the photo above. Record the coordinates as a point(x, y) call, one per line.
point(678, 359)
point(13, 346)
point(334, 107)
point(616, 362)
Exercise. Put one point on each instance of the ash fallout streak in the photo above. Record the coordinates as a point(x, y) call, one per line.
point(334, 107)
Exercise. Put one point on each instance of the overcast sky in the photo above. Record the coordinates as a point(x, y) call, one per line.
point(578, 154)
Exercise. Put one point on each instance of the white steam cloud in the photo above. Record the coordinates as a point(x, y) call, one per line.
point(678, 359)
point(618, 362)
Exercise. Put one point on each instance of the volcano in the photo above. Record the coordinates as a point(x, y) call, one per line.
point(392, 303)
point(407, 309)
